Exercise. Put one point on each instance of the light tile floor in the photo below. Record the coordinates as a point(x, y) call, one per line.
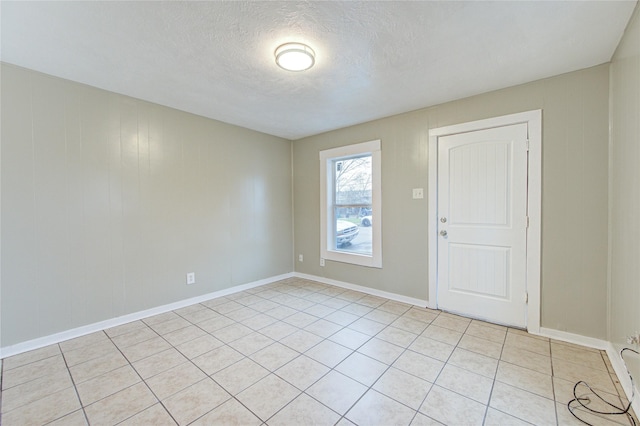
point(298, 352)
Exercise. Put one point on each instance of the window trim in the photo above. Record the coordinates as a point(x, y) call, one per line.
point(326, 204)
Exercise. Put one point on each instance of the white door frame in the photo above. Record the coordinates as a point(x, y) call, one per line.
point(534, 203)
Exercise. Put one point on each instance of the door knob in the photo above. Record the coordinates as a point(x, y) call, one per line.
point(443, 233)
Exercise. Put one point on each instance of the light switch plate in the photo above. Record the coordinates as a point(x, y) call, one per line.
point(418, 193)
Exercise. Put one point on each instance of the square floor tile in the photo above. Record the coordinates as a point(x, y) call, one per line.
point(381, 316)
point(170, 326)
point(124, 328)
point(185, 334)
point(77, 343)
point(274, 356)
point(107, 384)
point(432, 348)
point(319, 310)
point(300, 319)
point(43, 410)
point(328, 353)
point(76, 418)
point(397, 336)
point(367, 326)
point(280, 394)
point(195, 401)
point(230, 413)
point(304, 410)
point(217, 359)
point(522, 404)
point(341, 318)
point(453, 323)
point(362, 368)
point(301, 340)
point(302, 372)
point(474, 362)
point(278, 330)
point(175, 379)
point(376, 409)
point(452, 409)
point(323, 328)
point(259, 321)
point(527, 359)
point(337, 391)
point(155, 415)
point(597, 379)
point(465, 383)
point(214, 324)
point(251, 343)
point(382, 351)
point(350, 338)
point(120, 406)
point(525, 379)
point(419, 365)
point(441, 334)
point(403, 387)
point(487, 332)
point(144, 349)
point(137, 335)
point(201, 345)
point(409, 324)
point(31, 356)
point(239, 376)
point(498, 418)
point(529, 343)
point(584, 357)
point(155, 364)
point(397, 308)
point(34, 390)
point(88, 353)
point(421, 314)
point(480, 346)
point(231, 332)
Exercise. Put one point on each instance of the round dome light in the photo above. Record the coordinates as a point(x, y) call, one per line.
point(295, 57)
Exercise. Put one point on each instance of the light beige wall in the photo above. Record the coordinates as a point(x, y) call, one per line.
point(108, 201)
point(574, 217)
point(625, 190)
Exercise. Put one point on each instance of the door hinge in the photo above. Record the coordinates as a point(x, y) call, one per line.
point(527, 221)
point(527, 145)
point(526, 297)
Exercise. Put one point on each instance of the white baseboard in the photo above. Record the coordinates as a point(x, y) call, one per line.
point(573, 338)
point(363, 289)
point(113, 322)
point(623, 376)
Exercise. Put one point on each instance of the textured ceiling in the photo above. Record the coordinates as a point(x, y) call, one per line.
point(373, 59)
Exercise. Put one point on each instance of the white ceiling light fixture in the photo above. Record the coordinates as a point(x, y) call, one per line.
point(295, 56)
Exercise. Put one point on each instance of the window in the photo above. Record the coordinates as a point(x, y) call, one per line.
point(350, 215)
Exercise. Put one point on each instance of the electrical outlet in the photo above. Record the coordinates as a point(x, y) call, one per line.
point(322, 261)
point(191, 278)
point(300, 258)
point(634, 339)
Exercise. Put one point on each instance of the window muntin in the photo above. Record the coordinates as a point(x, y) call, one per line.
point(350, 215)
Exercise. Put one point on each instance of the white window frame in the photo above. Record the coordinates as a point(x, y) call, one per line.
point(327, 233)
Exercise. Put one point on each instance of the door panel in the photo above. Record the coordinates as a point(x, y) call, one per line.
point(482, 202)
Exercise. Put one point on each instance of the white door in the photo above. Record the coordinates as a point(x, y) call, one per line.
point(482, 220)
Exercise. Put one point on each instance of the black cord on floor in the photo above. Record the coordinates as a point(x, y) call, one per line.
point(620, 411)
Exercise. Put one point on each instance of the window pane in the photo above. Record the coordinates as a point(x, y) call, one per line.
point(353, 181)
point(352, 208)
